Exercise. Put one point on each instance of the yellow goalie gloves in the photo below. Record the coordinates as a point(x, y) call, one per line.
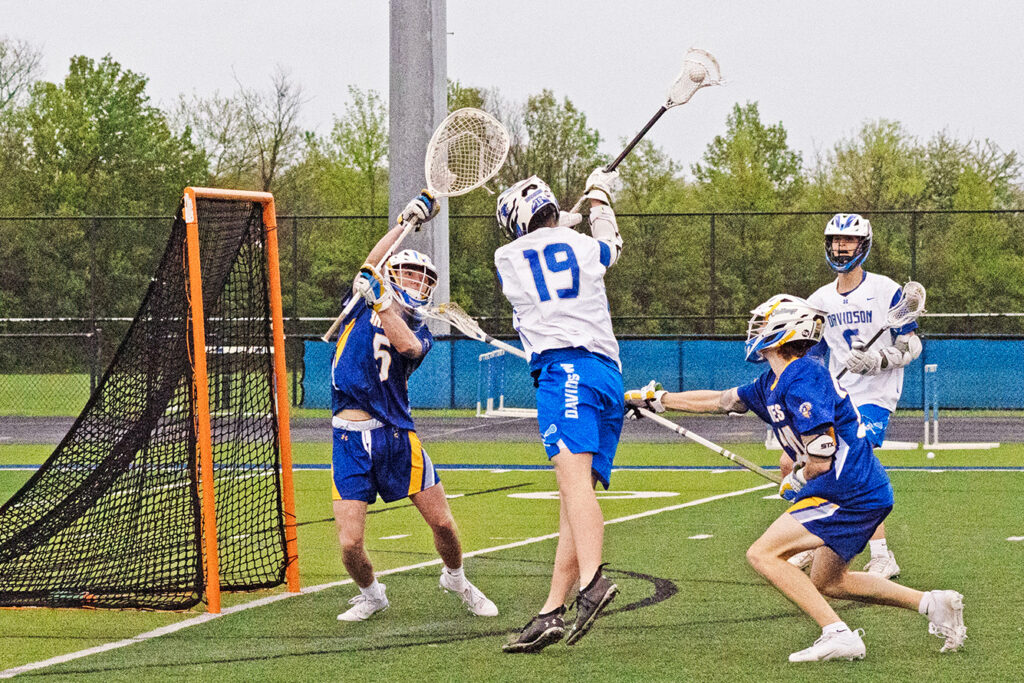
point(370, 285)
point(421, 209)
point(648, 397)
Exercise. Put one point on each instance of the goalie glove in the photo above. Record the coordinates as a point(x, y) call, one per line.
point(370, 285)
point(602, 185)
point(792, 483)
point(648, 397)
point(421, 209)
point(864, 361)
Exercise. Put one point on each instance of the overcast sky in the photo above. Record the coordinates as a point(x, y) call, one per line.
point(821, 67)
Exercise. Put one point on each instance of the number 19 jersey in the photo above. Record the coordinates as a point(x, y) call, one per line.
point(554, 279)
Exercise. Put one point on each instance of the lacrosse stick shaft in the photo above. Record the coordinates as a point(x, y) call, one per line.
point(352, 302)
point(683, 431)
point(507, 348)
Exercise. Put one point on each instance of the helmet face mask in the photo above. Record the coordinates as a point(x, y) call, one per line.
point(780, 320)
point(525, 205)
point(848, 225)
point(413, 277)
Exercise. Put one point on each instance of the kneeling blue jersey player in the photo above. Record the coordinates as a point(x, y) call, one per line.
point(554, 278)
point(839, 491)
point(376, 450)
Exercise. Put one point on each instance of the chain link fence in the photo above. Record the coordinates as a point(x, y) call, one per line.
point(71, 285)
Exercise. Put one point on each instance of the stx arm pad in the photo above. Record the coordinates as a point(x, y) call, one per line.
point(820, 445)
point(905, 349)
point(605, 229)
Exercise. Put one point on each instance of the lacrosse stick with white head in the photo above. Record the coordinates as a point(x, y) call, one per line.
point(453, 314)
point(908, 308)
point(700, 70)
point(466, 150)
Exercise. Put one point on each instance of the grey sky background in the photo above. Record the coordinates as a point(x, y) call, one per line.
point(822, 68)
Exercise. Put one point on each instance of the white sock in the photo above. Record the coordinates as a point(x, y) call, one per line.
point(926, 602)
point(835, 627)
point(458, 574)
point(879, 548)
point(375, 590)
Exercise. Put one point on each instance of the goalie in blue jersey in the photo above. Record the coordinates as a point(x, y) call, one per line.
point(376, 450)
point(839, 491)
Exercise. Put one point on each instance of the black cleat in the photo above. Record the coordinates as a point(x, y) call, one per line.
point(543, 630)
point(591, 600)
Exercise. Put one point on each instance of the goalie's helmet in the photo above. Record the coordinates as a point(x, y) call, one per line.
point(847, 225)
point(525, 206)
point(412, 276)
point(782, 319)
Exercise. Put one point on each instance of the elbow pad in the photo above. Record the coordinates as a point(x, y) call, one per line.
point(605, 228)
point(822, 445)
point(905, 349)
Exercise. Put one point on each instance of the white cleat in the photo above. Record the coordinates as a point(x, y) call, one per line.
point(846, 645)
point(883, 565)
point(474, 599)
point(363, 606)
point(946, 619)
point(802, 560)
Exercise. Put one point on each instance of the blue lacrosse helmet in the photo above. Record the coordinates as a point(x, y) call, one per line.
point(847, 225)
point(782, 319)
point(412, 276)
point(525, 206)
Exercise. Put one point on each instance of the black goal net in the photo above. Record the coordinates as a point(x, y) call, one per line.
point(113, 518)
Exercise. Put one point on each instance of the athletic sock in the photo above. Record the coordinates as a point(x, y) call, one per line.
point(879, 548)
point(458, 574)
point(925, 604)
point(835, 627)
point(375, 590)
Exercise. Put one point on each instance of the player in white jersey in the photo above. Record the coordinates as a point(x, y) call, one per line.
point(856, 303)
point(554, 278)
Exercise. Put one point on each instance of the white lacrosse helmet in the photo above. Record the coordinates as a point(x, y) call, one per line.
point(847, 225)
point(782, 319)
point(412, 276)
point(524, 206)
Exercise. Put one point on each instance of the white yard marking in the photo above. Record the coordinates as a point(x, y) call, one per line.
point(772, 496)
point(700, 537)
point(270, 599)
point(1015, 538)
point(499, 471)
point(454, 495)
point(601, 495)
point(393, 538)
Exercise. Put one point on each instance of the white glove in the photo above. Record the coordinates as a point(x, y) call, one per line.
point(370, 285)
point(602, 185)
point(864, 361)
point(569, 220)
point(421, 209)
point(792, 483)
point(648, 397)
point(905, 349)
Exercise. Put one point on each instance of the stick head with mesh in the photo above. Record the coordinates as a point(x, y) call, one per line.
point(909, 306)
point(466, 150)
point(453, 314)
point(700, 70)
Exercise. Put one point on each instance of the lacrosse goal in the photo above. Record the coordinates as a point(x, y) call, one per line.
point(501, 388)
point(153, 500)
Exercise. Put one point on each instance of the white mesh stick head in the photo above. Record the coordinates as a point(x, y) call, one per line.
point(453, 314)
point(909, 306)
point(700, 69)
point(466, 150)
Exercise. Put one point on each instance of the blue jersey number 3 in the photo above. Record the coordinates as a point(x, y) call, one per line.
point(558, 257)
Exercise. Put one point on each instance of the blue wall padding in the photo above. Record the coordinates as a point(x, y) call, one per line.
point(973, 373)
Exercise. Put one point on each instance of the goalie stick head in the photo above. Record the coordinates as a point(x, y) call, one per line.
point(412, 276)
point(850, 225)
point(526, 206)
point(782, 319)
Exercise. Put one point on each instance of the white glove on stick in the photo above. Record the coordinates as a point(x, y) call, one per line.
point(421, 209)
point(864, 361)
point(602, 185)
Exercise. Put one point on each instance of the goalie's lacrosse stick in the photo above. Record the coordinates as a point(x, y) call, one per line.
point(466, 150)
point(453, 314)
point(683, 431)
point(909, 307)
point(700, 70)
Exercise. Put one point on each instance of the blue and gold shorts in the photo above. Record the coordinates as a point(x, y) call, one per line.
point(847, 532)
point(369, 458)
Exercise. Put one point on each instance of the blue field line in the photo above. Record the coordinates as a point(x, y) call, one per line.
point(665, 468)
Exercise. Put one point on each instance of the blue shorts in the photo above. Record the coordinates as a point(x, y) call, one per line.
point(847, 532)
point(875, 420)
point(369, 458)
point(580, 409)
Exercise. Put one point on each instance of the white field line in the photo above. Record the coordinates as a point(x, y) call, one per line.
point(203, 618)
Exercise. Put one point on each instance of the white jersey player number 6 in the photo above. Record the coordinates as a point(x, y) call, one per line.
point(558, 257)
